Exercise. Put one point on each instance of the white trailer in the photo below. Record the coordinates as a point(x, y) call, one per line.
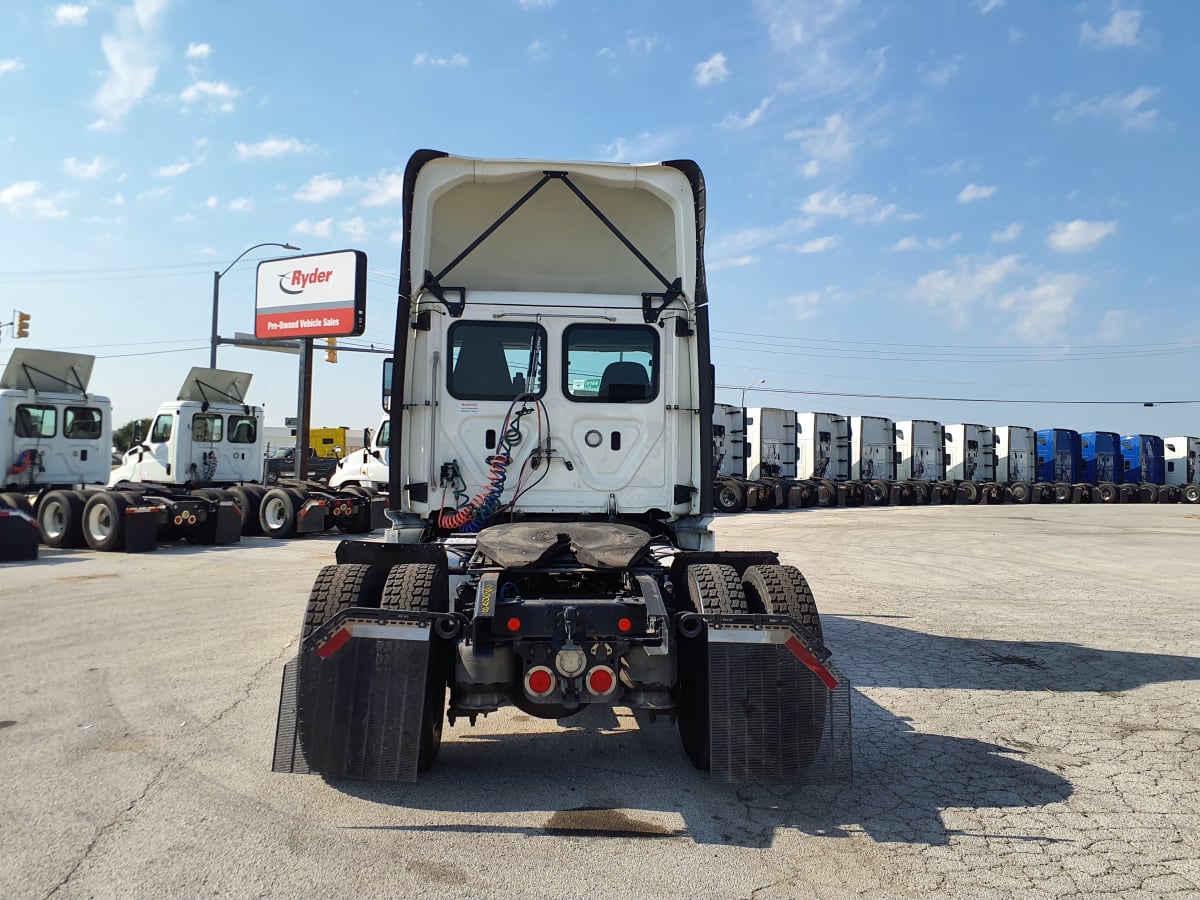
point(1182, 457)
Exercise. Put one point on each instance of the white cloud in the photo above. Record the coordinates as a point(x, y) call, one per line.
point(735, 262)
point(1078, 235)
point(117, 200)
point(819, 245)
point(539, 51)
point(861, 208)
point(831, 141)
point(158, 193)
point(48, 209)
point(824, 47)
point(173, 170)
point(14, 193)
point(973, 192)
point(424, 59)
point(355, 229)
point(712, 71)
point(931, 243)
point(320, 188)
point(70, 14)
point(536, 4)
point(211, 90)
point(1042, 311)
point(750, 120)
point(241, 204)
point(972, 282)
point(384, 189)
point(198, 51)
point(987, 6)
point(1011, 233)
point(805, 306)
point(78, 169)
point(635, 42)
point(1121, 30)
point(271, 148)
point(646, 147)
point(186, 218)
point(939, 75)
point(1129, 109)
point(212, 202)
point(322, 228)
point(133, 52)
point(10, 65)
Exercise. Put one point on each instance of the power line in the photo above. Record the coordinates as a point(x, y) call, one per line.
point(764, 390)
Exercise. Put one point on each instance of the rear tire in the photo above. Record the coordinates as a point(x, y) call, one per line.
point(423, 588)
point(1062, 492)
point(922, 491)
point(249, 499)
point(968, 492)
point(1128, 493)
point(1147, 492)
point(279, 511)
point(1190, 493)
point(361, 521)
point(60, 519)
point(1021, 492)
point(1107, 492)
point(104, 521)
point(729, 497)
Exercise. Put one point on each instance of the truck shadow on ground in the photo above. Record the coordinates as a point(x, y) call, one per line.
point(593, 768)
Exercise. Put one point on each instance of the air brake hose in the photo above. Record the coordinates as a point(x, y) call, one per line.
point(478, 511)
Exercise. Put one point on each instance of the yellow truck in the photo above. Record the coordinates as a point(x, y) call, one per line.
point(329, 442)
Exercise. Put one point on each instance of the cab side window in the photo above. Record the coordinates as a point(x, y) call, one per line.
point(35, 421)
point(161, 432)
point(82, 422)
point(243, 430)
point(206, 428)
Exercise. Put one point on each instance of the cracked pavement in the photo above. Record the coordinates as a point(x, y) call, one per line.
point(1025, 722)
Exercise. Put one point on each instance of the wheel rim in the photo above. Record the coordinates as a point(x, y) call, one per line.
point(99, 522)
point(54, 520)
point(275, 512)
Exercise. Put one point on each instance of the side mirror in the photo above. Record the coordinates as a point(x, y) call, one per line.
point(137, 432)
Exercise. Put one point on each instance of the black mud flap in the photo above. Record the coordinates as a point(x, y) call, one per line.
point(228, 528)
point(778, 708)
point(312, 516)
point(353, 698)
point(378, 507)
point(19, 536)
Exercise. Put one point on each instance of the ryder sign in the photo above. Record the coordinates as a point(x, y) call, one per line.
point(319, 295)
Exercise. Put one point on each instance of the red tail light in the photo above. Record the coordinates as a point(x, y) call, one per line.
point(601, 681)
point(539, 681)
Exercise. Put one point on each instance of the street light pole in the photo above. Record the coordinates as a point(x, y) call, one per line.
point(747, 387)
point(216, 298)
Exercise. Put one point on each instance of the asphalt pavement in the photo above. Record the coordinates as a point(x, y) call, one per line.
point(1026, 721)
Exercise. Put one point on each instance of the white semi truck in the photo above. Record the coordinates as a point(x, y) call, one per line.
point(971, 462)
point(770, 450)
point(1182, 457)
point(1016, 462)
point(732, 490)
point(873, 461)
point(550, 493)
point(823, 457)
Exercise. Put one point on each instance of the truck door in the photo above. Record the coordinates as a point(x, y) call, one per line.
point(155, 465)
point(203, 449)
point(35, 445)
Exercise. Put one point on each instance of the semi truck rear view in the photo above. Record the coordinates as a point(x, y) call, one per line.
point(550, 487)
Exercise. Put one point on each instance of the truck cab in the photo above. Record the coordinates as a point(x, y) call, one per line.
point(206, 436)
point(52, 431)
point(367, 467)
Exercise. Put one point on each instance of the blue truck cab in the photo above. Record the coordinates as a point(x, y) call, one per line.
point(1058, 455)
point(1143, 458)
point(1102, 457)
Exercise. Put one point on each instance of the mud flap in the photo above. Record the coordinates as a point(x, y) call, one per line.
point(311, 517)
point(228, 528)
point(778, 708)
point(378, 508)
point(353, 699)
point(18, 536)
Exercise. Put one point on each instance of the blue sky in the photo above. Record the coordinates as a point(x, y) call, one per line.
point(976, 199)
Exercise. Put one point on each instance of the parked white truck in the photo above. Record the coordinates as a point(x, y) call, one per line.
point(823, 457)
point(732, 490)
point(1016, 462)
point(1182, 458)
point(770, 450)
point(873, 461)
point(550, 494)
point(971, 462)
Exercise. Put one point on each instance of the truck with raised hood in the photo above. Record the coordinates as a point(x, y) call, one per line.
point(971, 462)
point(1100, 455)
point(823, 458)
point(1143, 464)
point(732, 491)
point(1016, 463)
point(921, 459)
point(1181, 457)
point(550, 496)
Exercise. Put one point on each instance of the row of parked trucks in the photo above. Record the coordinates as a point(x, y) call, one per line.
point(196, 476)
point(766, 458)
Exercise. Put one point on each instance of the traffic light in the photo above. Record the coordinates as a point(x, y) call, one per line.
point(331, 350)
point(22, 325)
